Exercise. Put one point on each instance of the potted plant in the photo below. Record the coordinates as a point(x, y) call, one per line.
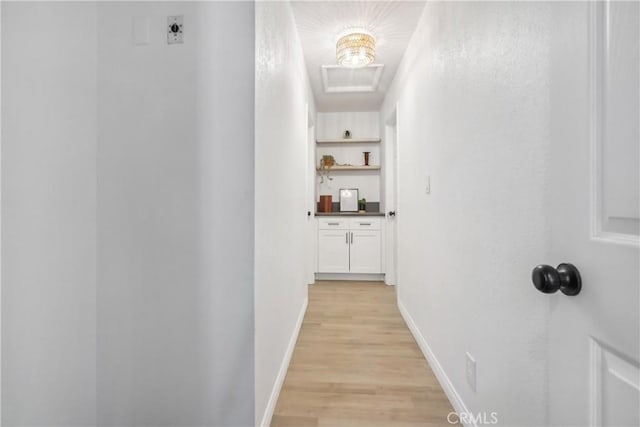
point(326, 162)
point(362, 205)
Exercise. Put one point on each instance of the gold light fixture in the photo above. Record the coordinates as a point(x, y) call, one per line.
point(357, 48)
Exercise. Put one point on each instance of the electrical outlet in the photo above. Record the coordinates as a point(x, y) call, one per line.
point(471, 371)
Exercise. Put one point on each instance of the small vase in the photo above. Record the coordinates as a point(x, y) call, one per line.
point(325, 204)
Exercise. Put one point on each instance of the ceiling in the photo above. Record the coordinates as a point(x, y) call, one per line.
point(319, 24)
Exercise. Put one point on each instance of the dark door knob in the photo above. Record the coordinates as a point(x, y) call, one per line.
point(565, 277)
point(392, 213)
point(308, 213)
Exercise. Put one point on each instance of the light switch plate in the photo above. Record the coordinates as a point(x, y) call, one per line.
point(427, 187)
point(140, 30)
point(175, 30)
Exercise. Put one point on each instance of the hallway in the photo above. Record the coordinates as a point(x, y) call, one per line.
point(319, 213)
point(356, 363)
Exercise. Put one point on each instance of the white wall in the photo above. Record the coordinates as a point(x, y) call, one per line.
point(48, 213)
point(148, 317)
point(360, 125)
point(127, 184)
point(175, 217)
point(226, 150)
point(474, 115)
point(282, 93)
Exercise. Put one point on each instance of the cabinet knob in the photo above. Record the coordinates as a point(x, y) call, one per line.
point(392, 213)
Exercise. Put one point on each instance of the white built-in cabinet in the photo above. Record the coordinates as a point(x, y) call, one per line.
point(350, 245)
point(333, 251)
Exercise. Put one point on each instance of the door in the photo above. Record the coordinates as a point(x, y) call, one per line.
point(365, 251)
point(391, 202)
point(310, 201)
point(333, 251)
point(594, 216)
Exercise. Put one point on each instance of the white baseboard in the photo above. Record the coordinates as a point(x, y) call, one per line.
point(443, 379)
point(350, 276)
point(284, 367)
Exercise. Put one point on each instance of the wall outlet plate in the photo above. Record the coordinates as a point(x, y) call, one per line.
point(471, 371)
point(175, 30)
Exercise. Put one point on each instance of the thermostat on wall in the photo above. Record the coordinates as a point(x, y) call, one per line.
point(174, 29)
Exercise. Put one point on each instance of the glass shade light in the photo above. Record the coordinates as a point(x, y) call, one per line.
point(356, 49)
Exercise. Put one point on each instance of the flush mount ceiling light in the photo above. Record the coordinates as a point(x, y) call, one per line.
point(357, 48)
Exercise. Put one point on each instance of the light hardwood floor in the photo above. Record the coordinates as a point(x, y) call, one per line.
point(357, 364)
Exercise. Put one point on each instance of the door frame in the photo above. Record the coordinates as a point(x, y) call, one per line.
point(392, 195)
point(0, 212)
point(311, 263)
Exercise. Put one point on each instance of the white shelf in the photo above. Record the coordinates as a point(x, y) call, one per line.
point(348, 141)
point(349, 168)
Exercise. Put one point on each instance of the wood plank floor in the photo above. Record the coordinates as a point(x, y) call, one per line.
point(357, 364)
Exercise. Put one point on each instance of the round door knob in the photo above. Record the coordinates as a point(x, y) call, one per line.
point(392, 213)
point(308, 213)
point(565, 278)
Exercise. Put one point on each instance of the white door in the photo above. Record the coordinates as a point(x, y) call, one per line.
point(391, 203)
point(594, 216)
point(311, 235)
point(333, 251)
point(365, 252)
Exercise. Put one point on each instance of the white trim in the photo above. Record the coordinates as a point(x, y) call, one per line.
point(617, 239)
point(443, 379)
point(350, 276)
point(360, 88)
point(594, 118)
point(310, 198)
point(604, 360)
point(398, 207)
point(598, 44)
point(349, 141)
point(595, 380)
point(391, 203)
point(284, 367)
point(0, 212)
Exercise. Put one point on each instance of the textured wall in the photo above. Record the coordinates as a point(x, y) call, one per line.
point(148, 319)
point(175, 217)
point(48, 213)
point(473, 113)
point(127, 215)
point(282, 95)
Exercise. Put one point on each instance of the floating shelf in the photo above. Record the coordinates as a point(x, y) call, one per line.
point(349, 168)
point(348, 141)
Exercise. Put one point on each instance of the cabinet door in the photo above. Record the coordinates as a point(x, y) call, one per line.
point(366, 255)
point(333, 251)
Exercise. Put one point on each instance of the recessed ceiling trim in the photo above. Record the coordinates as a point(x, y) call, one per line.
point(372, 87)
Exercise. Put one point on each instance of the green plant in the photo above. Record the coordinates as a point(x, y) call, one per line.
point(325, 165)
